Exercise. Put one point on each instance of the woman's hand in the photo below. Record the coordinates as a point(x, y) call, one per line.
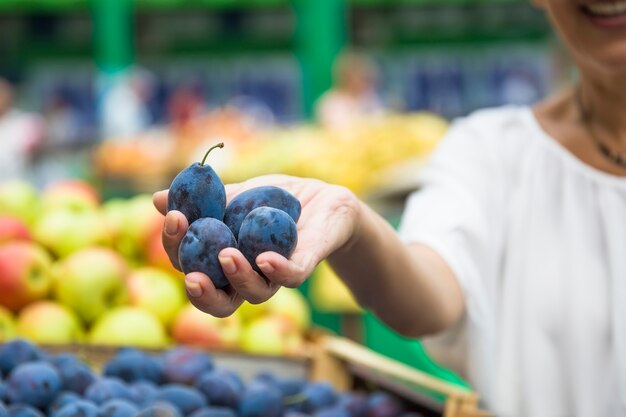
point(328, 222)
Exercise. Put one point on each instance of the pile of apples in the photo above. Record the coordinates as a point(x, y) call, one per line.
point(76, 270)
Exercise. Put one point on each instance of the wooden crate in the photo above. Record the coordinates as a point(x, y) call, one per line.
point(345, 364)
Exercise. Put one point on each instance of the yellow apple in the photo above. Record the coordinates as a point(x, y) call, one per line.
point(70, 194)
point(129, 326)
point(7, 325)
point(271, 335)
point(20, 199)
point(157, 292)
point(49, 322)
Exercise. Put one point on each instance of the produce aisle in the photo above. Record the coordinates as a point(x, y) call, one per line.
point(120, 96)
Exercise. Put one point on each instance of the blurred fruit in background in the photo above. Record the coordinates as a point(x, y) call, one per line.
point(24, 274)
point(19, 199)
point(329, 294)
point(97, 273)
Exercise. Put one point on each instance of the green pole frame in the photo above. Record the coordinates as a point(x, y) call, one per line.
point(113, 34)
point(321, 33)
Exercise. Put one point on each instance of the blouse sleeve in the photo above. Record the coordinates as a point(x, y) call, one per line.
point(458, 212)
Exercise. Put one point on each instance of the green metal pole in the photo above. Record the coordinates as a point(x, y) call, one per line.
point(113, 34)
point(321, 34)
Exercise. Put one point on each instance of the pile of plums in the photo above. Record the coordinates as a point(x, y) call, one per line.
point(258, 220)
point(176, 383)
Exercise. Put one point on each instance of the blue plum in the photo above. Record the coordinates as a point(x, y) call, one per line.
point(198, 192)
point(134, 365)
point(383, 404)
point(198, 250)
point(356, 403)
point(63, 398)
point(267, 229)
point(23, 410)
point(264, 196)
point(16, 352)
point(3, 390)
point(291, 386)
point(107, 388)
point(159, 409)
point(214, 412)
point(75, 375)
point(186, 399)
point(318, 395)
point(219, 388)
point(142, 392)
point(118, 408)
point(79, 408)
point(183, 365)
point(334, 411)
point(260, 400)
point(33, 383)
point(3, 410)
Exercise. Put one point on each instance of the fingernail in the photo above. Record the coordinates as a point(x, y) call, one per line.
point(171, 225)
point(266, 267)
point(228, 264)
point(194, 289)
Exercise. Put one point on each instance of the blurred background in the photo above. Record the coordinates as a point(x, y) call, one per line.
point(123, 94)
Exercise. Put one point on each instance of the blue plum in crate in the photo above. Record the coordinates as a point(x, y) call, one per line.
point(267, 229)
point(75, 375)
point(266, 196)
point(383, 404)
point(134, 365)
point(33, 383)
point(186, 399)
point(198, 192)
point(23, 410)
point(317, 396)
point(159, 409)
point(184, 365)
point(79, 408)
point(107, 388)
point(214, 412)
point(291, 386)
point(16, 352)
point(143, 392)
point(118, 408)
point(3, 410)
point(198, 250)
point(334, 411)
point(260, 400)
point(63, 398)
point(219, 388)
point(356, 403)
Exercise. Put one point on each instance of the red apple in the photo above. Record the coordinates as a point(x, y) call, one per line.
point(75, 195)
point(24, 274)
point(12, 228)
point(193, 327)
point(49, 322)
point(157, 257)
point(91, 281)
point(157, 292)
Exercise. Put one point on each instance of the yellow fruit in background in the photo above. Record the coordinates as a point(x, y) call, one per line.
point(20, 199)
point(329, 294)
point(129, 326)
point(196, 328)
point(271, 335)
point(48, 322)
point(7, 325)
point(156, 291)
point(291, 304)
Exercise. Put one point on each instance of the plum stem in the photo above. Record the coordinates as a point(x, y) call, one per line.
point(219, 145)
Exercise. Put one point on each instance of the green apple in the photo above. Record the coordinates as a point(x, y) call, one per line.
point(193, 327)
point(24, 274)
point(20, 199)
point(48, 322)
point(65, 231)
point(271, 335)
point(157, 292)
point(129, 326)
point(73, 195)
point(7, 325)
point(140, 221)
point(91, 281)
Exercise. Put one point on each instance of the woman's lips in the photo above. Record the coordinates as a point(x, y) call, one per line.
point(609, 14)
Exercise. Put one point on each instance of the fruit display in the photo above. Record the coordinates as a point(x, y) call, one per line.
point(108, 280)
point(358, 156)
point(177, 382)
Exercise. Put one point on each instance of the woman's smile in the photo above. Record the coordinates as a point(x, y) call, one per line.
point(606, 13)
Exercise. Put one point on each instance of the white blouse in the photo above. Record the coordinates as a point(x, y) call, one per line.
point(537, 240)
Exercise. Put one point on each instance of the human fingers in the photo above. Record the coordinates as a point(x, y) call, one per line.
point(159, 199)
point(247, 282)
point(205, 297)
point(174, 229)
point(287, 272)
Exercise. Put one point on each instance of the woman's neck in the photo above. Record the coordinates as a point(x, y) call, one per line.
point(604, 102)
